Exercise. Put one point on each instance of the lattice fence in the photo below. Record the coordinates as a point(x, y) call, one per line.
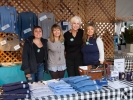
point(101, 12)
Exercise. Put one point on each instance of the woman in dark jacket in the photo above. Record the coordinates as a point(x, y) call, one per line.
point(34, 57)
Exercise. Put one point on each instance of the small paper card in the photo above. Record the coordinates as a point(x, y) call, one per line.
point(27, 30)
point(119, 65)
point(42, 18)
point(65, 23)
point(84, 67)
point(114, 73)
point(16, 47)
point(3, 42)
point(5, 27)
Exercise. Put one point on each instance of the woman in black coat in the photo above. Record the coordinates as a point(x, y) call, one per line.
point(34, 57)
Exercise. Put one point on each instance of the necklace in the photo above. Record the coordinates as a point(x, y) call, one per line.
point(59, 51)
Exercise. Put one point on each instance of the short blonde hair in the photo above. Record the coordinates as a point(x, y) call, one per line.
point(61, 38)
point(76, 18)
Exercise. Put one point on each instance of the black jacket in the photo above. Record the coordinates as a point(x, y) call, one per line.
point(29, 63)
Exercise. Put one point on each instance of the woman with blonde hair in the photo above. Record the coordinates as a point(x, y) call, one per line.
point(73, 43)
point(93, 49)
point(56, 59)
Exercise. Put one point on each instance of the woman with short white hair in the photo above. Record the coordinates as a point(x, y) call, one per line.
point(73, 43)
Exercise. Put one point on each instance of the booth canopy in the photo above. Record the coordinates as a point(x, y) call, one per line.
point(124, 9)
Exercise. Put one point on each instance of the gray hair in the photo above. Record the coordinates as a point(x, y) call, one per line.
point(76, 18)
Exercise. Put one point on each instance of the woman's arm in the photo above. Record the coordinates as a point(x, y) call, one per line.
point(101, 49)
point(25, 61)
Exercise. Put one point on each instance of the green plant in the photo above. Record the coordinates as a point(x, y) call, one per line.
point(128, 36)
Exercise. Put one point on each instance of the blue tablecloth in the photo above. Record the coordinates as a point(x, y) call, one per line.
point(14, 74)
point(11, 74)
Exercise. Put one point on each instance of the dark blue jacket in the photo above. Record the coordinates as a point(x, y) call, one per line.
point(26, 20)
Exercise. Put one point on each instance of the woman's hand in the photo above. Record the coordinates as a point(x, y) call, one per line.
point(101, 62)
point(64, 53)
point(28, 75)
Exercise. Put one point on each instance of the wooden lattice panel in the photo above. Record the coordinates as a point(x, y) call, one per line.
point(66, 9)
point(107, 38)
point(61, 8)
point(101, 12)
point(9, 56)
point(35, 6)
point(4, 2)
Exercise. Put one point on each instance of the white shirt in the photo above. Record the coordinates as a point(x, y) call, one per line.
point(100, 48)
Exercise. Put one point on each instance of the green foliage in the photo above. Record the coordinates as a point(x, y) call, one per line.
point(128, 36)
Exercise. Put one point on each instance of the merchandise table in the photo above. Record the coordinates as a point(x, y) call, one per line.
point(106, 93)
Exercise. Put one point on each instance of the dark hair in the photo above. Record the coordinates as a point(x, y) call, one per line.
point(36, 28)
point(85, 36)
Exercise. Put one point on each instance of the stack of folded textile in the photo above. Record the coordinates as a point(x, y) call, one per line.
point(61, 88)
point(17, 90)
point(82, 83)
point(0, 93)
point(0, 89)
point(102, 82)
point(39, 90)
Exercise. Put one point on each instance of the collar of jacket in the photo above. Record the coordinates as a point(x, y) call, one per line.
point(30, 40)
